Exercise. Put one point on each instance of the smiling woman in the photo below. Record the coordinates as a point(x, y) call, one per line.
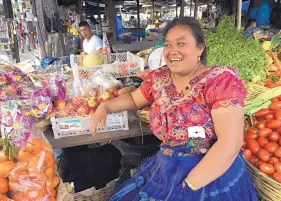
point(200, 157)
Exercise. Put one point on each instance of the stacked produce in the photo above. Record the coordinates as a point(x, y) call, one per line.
point(262, 145)
point(29, 174)
point(86, 95)
point(273, 49)
point(228, 47)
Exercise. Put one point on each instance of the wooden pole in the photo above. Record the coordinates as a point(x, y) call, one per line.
point(239, 9)
point(190, 6)
point(8, 9)
point(182, 8)
point(176, 8)
point(208, 10)
point(196, 8)
point(138, 12)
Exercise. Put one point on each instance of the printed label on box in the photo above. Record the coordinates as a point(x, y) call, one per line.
point(70, 125)
point(114, 120)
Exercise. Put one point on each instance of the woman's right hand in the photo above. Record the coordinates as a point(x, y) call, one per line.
point(99, 116)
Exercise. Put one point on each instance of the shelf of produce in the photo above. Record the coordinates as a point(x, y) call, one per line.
point(134, 131)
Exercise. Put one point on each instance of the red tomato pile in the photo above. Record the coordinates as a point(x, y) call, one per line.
point(262, 142)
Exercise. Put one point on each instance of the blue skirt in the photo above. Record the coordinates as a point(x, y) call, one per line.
point(160, 178)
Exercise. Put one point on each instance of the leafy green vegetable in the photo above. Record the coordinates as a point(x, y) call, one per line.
point(229, 47)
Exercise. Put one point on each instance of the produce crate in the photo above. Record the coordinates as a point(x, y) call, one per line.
point(121, 65)
point(74, 126)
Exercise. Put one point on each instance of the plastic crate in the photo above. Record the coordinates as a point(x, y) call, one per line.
point(121, 65)
point(74, 126)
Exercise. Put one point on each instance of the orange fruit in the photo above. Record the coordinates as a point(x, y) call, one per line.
point(19, 176)
point(52, 199)
point(37, 165)
point(3, 156)
point(55, 181)
point(53, 193)
point(24, 155)
point(35, 194)
point(4, 185)
point(49, 159)
point(6, 167)
point(3, 198)
point(50, 172)
point(18, 197)
point(34, 145)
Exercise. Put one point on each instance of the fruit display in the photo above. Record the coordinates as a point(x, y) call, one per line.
point(262, 142)
point(31, 175)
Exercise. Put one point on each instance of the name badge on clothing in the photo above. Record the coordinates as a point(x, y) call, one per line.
point(196, 131)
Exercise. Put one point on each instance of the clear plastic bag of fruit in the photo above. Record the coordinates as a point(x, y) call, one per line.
point(101, 87)
point(34, 176)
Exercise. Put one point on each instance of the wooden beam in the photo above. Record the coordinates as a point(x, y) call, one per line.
point(239, 13)
point(190, 6)
point(138, 12)
point(182, 8)
point(196, 8)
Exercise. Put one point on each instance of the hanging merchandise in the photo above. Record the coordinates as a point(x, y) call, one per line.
point(156, 58)
point(106, 49)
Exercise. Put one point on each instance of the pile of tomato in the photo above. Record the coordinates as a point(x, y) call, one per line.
point(262, 142)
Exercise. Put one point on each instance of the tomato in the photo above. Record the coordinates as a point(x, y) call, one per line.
point(254, 159)
point(259, 163)
point(273, 124)
point(247, 153)
point(267, 168)
point(275, 105)
point(250, 136)
point(264, 132)
point(255, 121)
point(274, 136)
point(244, 144)
point(253, 146)
point(271, 146)
point(261, 125)
point(278, 130)
point(275, 99)
point(253, 130)
point(269, 117)
point(262, 141)
point(277, 152)
point(262, 112)
point(272, 160)
point(277, 176)
point(277, 166)
point(263, 155)
point(277, 114)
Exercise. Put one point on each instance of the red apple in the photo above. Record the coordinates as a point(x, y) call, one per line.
point(111, 90)
point(92, 102)
point(69, 108)
point(92, 111)
point(105, 96)
point(82, 110)
point(78, 101)
point(115, 93)
point(62, 113)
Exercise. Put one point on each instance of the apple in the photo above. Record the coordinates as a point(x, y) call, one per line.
point(69, 108)
point(78, 101)
point(92, 111)
point(82, 110)
point(111, 90)
point(60, 104)
point(92, 102)
point(105, 96)
point(115, 93)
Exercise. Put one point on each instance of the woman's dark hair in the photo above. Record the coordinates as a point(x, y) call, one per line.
point(84, 24)
point(197, 32)
point(250, 22)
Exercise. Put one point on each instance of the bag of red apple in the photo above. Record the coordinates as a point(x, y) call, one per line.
point(101, 87)
point(34, 176)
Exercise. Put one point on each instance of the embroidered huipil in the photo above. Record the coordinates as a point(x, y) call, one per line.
point(172, 113)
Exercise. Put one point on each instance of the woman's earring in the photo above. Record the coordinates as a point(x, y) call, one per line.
point(199, 58)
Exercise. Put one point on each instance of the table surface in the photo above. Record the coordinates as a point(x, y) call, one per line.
point(136, 46)
point(135, 130)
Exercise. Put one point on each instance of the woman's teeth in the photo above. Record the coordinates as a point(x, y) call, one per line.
point(175, 59)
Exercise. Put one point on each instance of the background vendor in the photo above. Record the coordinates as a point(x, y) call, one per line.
point(91, 43)
point(251, 30)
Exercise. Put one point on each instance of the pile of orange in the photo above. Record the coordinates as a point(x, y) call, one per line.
point(33, 177)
